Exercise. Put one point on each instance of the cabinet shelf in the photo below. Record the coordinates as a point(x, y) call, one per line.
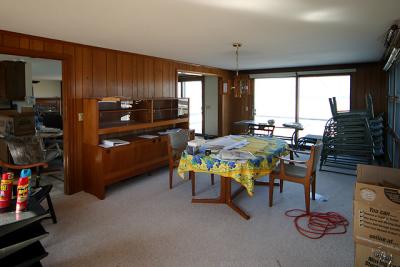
point(116, 119)
point(126, 127)
point(124, 110)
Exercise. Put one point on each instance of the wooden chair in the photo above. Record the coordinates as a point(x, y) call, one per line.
point(298, 174)
point(176, 145)
point(260, 129)
point(27, 154)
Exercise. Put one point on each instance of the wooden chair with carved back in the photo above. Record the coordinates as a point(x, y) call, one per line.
point(288, 170)
point(176, 145)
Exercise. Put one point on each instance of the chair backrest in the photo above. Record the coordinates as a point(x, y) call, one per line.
point(314, 156)
point(178, 140)
point(260, 129)
point(25, 149)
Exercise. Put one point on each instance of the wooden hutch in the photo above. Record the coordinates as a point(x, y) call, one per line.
point(127, 119)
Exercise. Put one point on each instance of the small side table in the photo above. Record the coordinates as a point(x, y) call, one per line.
point(20, 235)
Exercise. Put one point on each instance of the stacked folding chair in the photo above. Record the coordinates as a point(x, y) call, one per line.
point(351, 138)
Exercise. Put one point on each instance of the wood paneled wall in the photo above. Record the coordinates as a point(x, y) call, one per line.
point(96, 72)
point(369, 78)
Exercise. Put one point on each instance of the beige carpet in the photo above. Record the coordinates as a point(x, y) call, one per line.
point(143, 223)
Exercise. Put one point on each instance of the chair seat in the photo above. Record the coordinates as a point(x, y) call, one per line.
point(292, 170)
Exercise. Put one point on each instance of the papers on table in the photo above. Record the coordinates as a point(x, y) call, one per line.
point(235, 155)
point(170, 131)
point(148, 136)
point(225, 143)
point(113, 142)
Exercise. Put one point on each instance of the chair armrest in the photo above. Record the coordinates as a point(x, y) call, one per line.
point(20, 167)
point(292, 160)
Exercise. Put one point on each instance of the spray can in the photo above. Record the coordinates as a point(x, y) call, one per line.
point(6, 189)
point(23, 190)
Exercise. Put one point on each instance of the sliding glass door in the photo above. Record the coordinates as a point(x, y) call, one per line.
point(275, 98)
point(303, 99)
point(313, 102)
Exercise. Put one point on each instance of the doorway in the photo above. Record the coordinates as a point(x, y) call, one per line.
point(202, 91)
point(192, 86)
point(41, 102)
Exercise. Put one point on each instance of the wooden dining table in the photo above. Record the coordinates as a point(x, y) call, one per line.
point(244, 171)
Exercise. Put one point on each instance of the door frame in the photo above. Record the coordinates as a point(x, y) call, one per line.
point(190, 78)
point(66, 61)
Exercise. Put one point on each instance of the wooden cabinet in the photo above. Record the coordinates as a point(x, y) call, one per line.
point(12, 80)
point(127, 120)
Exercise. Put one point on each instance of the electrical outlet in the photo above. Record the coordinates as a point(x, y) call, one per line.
point(80, 116)
point(247, 108)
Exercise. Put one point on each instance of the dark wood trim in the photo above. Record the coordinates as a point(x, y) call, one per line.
point(311, 68)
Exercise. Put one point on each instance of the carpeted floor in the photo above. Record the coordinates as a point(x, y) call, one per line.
point(143, 223)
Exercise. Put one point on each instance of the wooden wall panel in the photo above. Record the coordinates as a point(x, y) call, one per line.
point(127, 79)
point(369, 78)
point(111, 75)
point(148, 77)
point(119, 74)
point(95, 72)
point(165, 78)
point(37, 45)
point(140, 76)
point(11, 41)
point(158, 78)
point(134, 76)
point(53, 47)
point(87, 72)
point(99, 72)
point(24, 43)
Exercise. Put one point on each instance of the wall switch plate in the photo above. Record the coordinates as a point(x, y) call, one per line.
point(80, 116)
point(247, 108)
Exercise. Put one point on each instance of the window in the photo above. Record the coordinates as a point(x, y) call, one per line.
point(275, 98)
point(314, 94)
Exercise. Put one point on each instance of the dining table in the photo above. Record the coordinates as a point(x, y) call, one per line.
point(252, 158)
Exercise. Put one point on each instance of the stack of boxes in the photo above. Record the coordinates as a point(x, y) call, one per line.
point(377, 216)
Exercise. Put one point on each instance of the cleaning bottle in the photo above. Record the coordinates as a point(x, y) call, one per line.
point(23, 190)
point(6, 189)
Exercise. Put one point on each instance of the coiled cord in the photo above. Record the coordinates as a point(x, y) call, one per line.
point(315, 225)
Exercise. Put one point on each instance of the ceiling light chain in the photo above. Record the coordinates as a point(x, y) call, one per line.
point(237, 45)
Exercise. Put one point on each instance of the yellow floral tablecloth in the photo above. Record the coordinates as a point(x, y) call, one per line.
point(266, 149)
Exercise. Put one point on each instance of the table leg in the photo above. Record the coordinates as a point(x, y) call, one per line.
point(225, 197)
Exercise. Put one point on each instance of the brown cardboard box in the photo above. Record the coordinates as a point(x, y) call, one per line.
point(366, 255)
point(377, 206)
point(14, 123)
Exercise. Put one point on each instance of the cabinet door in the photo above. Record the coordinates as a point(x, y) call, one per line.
point(15, 80)
point(2, 81)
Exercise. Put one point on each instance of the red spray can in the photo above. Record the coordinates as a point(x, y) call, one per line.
point(23, 190)
point(6, 189)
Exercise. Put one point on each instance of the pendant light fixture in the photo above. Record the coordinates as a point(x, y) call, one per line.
point(237, 46)
point(239, 86)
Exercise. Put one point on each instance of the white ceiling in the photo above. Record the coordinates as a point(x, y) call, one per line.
point(274, 33)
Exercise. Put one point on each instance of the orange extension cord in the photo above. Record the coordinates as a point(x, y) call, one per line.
point(315, 225)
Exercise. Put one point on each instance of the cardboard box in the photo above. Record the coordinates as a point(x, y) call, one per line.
point(377, 206)
point(366, 255)
point(14, 123)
